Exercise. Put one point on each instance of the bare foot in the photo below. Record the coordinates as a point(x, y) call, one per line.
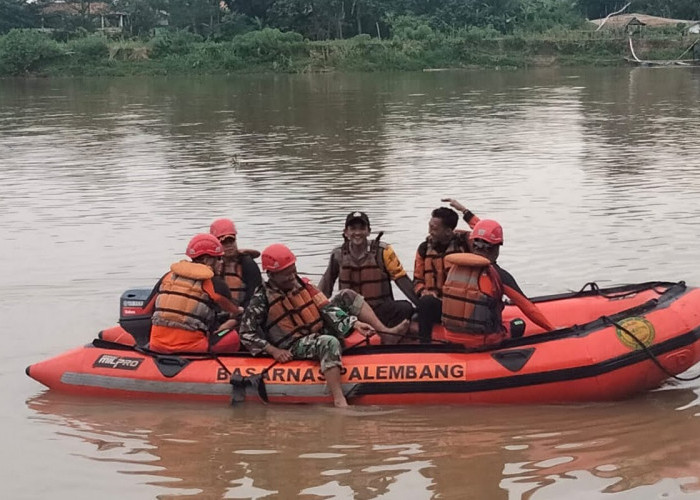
point(395, 335)
point(401, 328)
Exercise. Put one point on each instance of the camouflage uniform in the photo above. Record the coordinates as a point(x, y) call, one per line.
point(339, 316)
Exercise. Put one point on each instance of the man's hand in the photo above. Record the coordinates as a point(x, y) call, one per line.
point(280, 355)
point(455, 204)
point(364, 328)
point(229, 325)
point(430, 293)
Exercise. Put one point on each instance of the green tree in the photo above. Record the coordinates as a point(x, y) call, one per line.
point(199, 16)
point(142, 15)
point(17, 14)
point(22, 51)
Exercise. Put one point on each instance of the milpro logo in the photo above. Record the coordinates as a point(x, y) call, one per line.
point(118, 362)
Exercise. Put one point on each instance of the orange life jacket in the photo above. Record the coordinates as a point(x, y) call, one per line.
point(296, 313)
point(366, 276)
point(434, 262)
point(471, 296)
point(233, 275)
point(182, 301)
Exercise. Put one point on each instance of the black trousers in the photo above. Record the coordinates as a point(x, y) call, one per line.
point(393, 312)
point(429, 313)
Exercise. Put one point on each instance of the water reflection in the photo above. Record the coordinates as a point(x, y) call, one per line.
point(647, 446)
point(592, 173)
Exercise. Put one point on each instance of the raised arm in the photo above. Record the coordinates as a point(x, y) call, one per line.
point(467, 215)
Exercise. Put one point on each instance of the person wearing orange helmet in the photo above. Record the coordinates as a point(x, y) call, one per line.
point(239, 269)
point(188, 301)
point(369, 268)
point(474, 288)
point(289, 318)
point(429, 269)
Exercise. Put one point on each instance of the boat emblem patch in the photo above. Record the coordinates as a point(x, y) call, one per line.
point(642, 328)
point(118, 362)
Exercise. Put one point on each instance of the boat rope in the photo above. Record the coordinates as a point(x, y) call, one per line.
point(221, 363)
point(599, 291)
point(408, 336)
point(648, 352)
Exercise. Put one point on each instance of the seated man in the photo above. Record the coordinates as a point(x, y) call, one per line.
point(429, 269)
point(474, 288)
point(368, 269)
point(289, 318)
point(187, 301)
point(240, 271)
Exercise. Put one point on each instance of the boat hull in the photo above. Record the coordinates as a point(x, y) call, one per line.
point(595, 361)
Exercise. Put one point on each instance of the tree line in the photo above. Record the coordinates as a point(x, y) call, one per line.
point(330, 19)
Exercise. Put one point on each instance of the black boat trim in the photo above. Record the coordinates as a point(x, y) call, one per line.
point(514, 381)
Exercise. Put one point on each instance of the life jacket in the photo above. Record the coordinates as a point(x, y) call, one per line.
point(232, 273)
point(182, 301)
point(471, 296)
point(367, 275)
point(434, 262)
point(296, 313)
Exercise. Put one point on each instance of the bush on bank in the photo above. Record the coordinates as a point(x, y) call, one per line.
point(24, 51)
point(414, 46)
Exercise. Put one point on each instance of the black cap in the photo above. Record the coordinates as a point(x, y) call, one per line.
point(357, 216)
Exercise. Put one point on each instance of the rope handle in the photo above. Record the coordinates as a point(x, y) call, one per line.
point(648, 352)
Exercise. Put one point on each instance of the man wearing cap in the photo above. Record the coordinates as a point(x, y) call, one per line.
point(368, 268)
point(239, 270)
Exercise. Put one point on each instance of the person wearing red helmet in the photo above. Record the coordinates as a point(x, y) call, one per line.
point(429, 269)
point(369, 268)
point(239, 269)
point(474, 289)
point(289, 318)
point(188, 300)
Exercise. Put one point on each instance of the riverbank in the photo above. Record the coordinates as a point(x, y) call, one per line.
point(269, 50)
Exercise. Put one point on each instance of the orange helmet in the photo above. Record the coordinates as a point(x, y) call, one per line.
point(277, 257)
point(489, 231)
point(223, 227)
point(204, 244)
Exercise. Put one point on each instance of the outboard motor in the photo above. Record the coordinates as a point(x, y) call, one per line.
point(132, 316)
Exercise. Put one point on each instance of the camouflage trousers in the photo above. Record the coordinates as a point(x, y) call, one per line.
point(325, 348)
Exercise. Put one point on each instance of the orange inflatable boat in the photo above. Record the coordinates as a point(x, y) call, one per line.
point(610, 344)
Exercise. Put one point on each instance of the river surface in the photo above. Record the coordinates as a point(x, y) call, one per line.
point(594, 174)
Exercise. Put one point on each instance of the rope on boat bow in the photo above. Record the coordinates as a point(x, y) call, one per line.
point(648, 352)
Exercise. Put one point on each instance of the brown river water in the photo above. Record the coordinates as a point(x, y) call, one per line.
point(594, 174)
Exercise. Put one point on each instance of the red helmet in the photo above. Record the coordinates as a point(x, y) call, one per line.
point(487, 230)
point(277, 257)
point(223, 227)
point(204, 244)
